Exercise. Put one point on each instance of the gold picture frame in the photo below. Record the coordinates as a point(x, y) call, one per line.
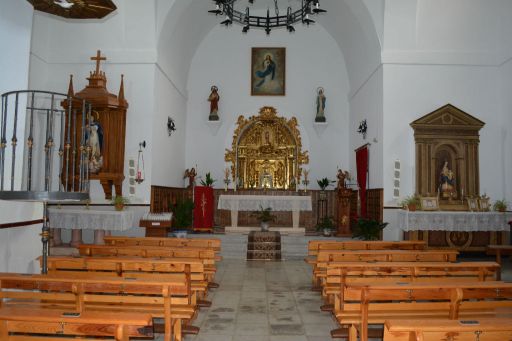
point(472, 204)
point(483, 204)
point(268, 71)
point(429, 203)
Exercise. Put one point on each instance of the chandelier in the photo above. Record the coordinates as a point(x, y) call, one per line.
point(268, 22)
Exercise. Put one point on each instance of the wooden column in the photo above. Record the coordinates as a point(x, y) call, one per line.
point(344, 195)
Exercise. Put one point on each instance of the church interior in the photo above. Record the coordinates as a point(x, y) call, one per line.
point(246, 170)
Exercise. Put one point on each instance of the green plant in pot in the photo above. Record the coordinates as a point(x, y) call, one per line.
point(119, 202)
point(326, 226)
point(368, 229)
point(182, 214)
point(323, 184)
point(412, 202)
point(500, 205)
point(264, 216)
point(208, 181)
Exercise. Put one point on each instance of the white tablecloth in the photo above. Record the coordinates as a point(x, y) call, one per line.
point(276, 203)
point(91, 219)
point(236, 203)
point(453, 221)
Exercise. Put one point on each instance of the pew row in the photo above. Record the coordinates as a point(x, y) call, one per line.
point(133, 267)
point(341, 274)
point(483, 329)
point(172, 242)
point(315, 246)
point(169, 299)
point(24, 324)
point(373, 304)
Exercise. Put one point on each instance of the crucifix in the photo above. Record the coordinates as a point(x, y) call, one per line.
point(98, 60)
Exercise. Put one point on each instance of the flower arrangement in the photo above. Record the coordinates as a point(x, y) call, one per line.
point(227, 180)
point(500, 205)
point(119, 202)
point(305, 182)
point(410, 202)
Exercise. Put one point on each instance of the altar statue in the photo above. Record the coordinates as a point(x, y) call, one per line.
point(266, 180)
point(446, 181)
point(342, 176)
point(191, 175)
point(214, 104)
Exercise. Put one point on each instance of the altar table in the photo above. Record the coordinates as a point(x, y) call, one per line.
point(293, 203)
point(453, 221)
point(88, 219)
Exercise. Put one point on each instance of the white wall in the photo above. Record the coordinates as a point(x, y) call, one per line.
point(313, 60)
point(367, 104)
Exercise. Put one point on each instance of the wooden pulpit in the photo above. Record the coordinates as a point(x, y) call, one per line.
point(344, 196)
point(106, 129)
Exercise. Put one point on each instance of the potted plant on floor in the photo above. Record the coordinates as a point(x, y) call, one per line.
point(326, 226)
point(368, 229)
point(500, 205)
point(119, 202)
point(264, 216)
point(182, 215)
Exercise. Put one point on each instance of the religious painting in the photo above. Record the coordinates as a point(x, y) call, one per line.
point(429, 204)
point(268, 71)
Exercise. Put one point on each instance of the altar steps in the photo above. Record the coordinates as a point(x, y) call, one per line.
point(264, 246)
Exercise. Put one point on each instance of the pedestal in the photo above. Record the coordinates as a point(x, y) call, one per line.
point(76, 238)
point(56, 239)
point(344, 195)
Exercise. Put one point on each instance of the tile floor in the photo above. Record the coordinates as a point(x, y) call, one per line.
point(263, 301)
point(270, 301)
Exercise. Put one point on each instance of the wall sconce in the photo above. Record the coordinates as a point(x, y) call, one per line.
point(139, 178)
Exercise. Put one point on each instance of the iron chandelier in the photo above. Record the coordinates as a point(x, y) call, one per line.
point(268, 22)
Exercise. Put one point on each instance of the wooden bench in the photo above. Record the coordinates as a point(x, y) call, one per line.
point(207, 256)
point(499, 250)
point(315, 246)
point(482, 329)
point(340, 274)
point(168, 298)
point(364, 305)
point(172, 242)
point(23, 324)
point(133, 267)
point(325, 257)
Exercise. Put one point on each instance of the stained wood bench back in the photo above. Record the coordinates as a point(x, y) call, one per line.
point(208, 255)
point(388, 256)
point(157, 241)
point(314, 246)
point(483, 329)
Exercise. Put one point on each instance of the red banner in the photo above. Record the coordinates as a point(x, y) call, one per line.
point(362, 170)
point(203, 208)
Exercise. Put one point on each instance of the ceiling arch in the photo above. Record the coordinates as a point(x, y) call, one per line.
point(348, 22)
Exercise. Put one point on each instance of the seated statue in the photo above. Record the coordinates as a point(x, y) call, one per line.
point(266, 180)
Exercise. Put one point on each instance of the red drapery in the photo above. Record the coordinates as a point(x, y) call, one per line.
point(203, 208)
point(362, 170)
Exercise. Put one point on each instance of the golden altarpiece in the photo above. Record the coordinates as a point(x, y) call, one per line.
point(447, 167)
point(266, 152)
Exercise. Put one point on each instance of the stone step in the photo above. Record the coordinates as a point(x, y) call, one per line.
point(264, 255)
point(263, 246)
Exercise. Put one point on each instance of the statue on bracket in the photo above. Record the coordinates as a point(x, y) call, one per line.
point(320, 105)
point(214, 104)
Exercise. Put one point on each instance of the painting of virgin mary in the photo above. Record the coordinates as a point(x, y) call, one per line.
point(268, 66)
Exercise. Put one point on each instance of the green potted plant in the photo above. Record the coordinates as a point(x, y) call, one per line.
point(326, 225)
point(323, 184)
point(182, 214)
point(264, 216)
point(119, 201)
point(208, 181)
point(411, 203)
point(368, 229)
point(500, 205)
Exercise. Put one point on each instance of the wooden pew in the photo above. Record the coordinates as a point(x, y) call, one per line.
point(499, 250)
point(207, 256)
point(482, 329)
point(340, 274)
point(168, 298)
point(133, 267)
point(24, 324)
point(364, 305)
point(315, 246)
point(325, 257)
point(157, 241)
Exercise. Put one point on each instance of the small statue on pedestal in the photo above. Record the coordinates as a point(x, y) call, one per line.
point(320, 105)
point(191, 175)
point(342, 176)
point(214, 104)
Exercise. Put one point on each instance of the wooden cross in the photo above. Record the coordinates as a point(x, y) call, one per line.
point(98, 60)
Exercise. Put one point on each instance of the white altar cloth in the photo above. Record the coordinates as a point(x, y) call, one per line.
point(91, 219)
point(236, 203)
point(453, 221)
